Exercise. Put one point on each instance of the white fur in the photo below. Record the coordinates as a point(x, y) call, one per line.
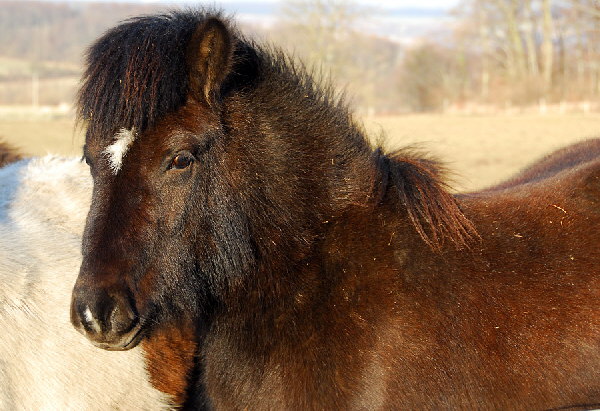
point(44, 363)
point(118, 149)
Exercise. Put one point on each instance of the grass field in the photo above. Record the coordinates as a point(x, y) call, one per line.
point(481, 150)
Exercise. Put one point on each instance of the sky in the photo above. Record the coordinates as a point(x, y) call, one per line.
point(403, 21)
point(385, 4)
point(436, 4)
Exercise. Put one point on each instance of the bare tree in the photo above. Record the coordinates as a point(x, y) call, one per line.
point(547, 44)
point(529, 27)
point(545, 48)
point(326, 35)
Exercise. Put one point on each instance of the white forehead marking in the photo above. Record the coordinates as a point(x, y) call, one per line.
point(117, 150)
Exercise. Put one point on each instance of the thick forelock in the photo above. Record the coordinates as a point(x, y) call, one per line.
point(137, 72)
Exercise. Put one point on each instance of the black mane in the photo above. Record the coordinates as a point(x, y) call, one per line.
point(137, 72)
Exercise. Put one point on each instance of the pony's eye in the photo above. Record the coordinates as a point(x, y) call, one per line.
point(181, 161)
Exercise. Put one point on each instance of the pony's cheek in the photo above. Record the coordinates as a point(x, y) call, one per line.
point(146, 288)
point(171, 211)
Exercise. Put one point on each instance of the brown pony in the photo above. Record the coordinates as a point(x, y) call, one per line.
point(565, 158)
point(267, 257)
point(8, 154)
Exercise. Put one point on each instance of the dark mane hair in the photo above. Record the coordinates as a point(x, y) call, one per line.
point(421, 185)
point(138, 72)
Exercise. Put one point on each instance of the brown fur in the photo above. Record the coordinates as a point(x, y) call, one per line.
point(510, 324)
point(171, 357)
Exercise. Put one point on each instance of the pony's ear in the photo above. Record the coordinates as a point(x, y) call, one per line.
point(209, 57)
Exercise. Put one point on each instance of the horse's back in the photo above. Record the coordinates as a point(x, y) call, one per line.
point(569, 176)
point(560, 194)
point(44, 362)
point(563, 159)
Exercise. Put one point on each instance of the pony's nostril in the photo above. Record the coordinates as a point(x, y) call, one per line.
point(101, 315)
point(83, 319)
point(122, 318)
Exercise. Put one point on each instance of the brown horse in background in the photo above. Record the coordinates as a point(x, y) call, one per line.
point(8, 154)
point(267, 257)
point(566, 158)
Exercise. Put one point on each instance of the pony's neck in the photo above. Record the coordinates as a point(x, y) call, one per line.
point(321, 173)
point(334, 153)
point(340, 289)
point(327, 170)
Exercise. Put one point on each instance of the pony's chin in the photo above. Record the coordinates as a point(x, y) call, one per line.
point(124, 342)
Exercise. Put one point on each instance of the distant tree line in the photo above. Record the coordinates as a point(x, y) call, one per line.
point(497, 52)
point(43, 44)
point(57, 31)
point(329, 37)
point(516, 52)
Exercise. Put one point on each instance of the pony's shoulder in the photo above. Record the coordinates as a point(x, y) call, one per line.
point(48, 168)
point(43, 205)
point(55, 169)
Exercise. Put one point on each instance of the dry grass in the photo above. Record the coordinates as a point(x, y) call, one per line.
point(43, 136)
point(481, 150)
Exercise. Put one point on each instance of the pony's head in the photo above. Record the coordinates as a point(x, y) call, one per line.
point(8, 154)
point(152, 102)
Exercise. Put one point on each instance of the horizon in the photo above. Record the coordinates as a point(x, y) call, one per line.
point(385, 4)
point(401, 21)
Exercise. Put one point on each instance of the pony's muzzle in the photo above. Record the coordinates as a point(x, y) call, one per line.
point(108, 320)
